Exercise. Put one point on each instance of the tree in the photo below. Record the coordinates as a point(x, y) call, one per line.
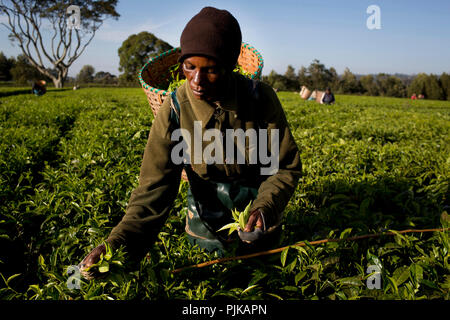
point(23, 72)
point(270, 79)
point(369, 85)
point(290, 73)
point(427, 85)
point(86, 74)
point(390, 86)
point(303, 77)
point(418, 84)
point(320, 76)
point(60, 47)
point(444, 81)
point(276, 81)
point(135, 52)
point(348, 83)
point(105, 78)
point(279, 84)
point(5, 67)
point(333, 81)
point(291, 80)
point(433, 89)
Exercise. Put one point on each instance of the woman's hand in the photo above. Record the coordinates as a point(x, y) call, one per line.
point(255, 227)
point(92, 258)
point(255, 220)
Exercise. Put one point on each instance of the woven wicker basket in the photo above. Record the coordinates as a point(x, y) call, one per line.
point(154, 74)
point(319, 95)
point(306, 94)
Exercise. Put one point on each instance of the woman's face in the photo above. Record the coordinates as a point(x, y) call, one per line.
point(205, 77)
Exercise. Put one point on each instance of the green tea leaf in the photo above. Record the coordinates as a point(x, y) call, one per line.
point(416, 272)
point(284, 256)
point(301, 250)
point(374, 260)
point(235, 215)
point(5, 236)
point(104, 267)
point(299, 276)
point(247, 212)
point(232, 225)
point(292, 265)
point(429, 284)
point(401, 274)
point(445, 219)
point(392, 284)
point(12, 277)
point(242, 221)
point(399, 238)
point(275, 296)
point(341, 295)
point(446, 283)
point(41, 261)
point(109, 252)
point(290, 288)
point(345, 233)
point(258, 275)
point(352, 281)
point(249, 288)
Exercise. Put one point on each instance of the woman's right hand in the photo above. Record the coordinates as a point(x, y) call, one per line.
point(92, 258)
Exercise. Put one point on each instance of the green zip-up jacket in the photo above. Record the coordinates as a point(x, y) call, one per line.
point(159, 179)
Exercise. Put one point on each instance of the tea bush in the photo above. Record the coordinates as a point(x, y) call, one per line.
point(69, 161)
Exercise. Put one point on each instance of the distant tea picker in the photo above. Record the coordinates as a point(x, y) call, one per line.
point(322, 97)
point(39, 88)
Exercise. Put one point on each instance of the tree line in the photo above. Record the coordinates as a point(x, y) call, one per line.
point(138, 48)
point(23, 19)
point(317, 76)
point(22, 72)
point(133, 54)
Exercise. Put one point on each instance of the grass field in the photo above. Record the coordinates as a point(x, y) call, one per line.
point(69, 161)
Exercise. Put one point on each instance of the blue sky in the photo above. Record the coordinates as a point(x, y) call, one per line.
point(414, 35)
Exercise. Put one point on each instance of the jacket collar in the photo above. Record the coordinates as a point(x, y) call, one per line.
point(204, 110)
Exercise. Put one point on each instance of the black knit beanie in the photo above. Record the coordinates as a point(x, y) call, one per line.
point(214, 33)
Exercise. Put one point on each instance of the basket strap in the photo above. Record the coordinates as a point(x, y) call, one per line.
point(254, 99)
point(253, 89)
point(174, 109)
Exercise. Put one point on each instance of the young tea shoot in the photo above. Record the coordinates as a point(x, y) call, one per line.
point(107, 262)
point(175, 80)
point(240, 218)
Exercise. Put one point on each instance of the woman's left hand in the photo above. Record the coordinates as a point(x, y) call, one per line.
point(255, 220)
